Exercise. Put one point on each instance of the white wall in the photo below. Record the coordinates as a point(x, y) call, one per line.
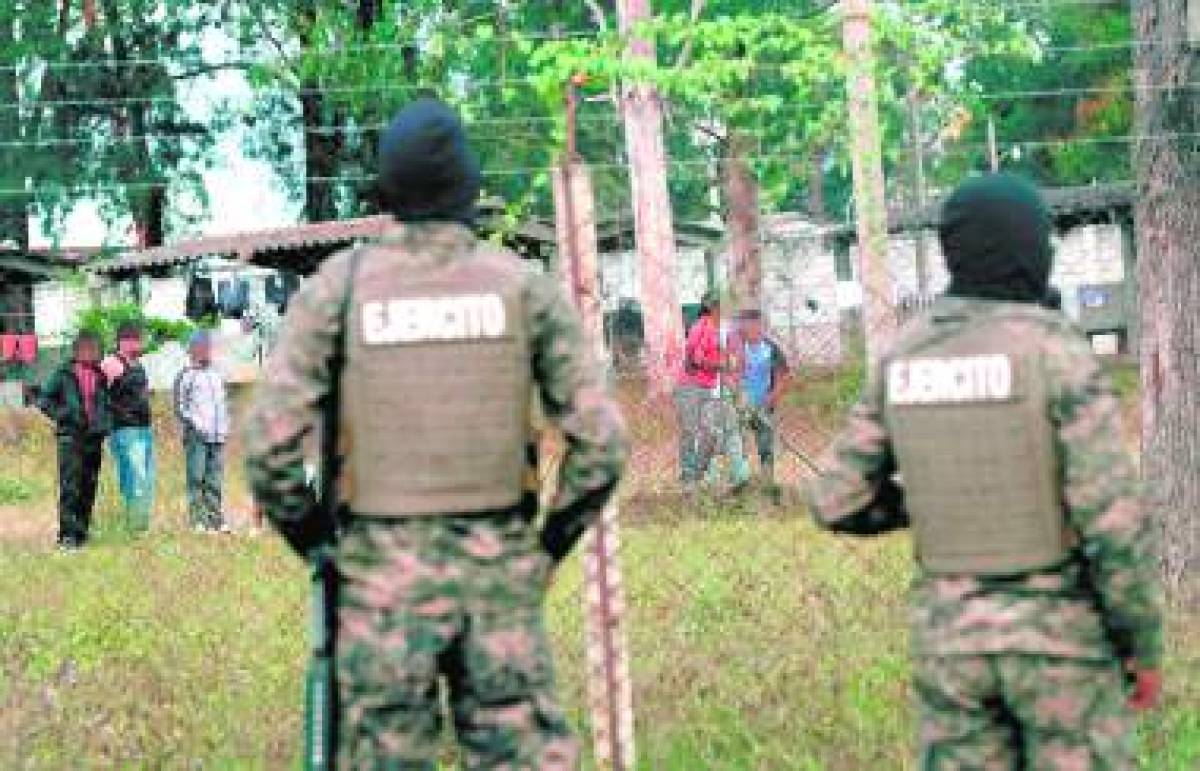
point(1091, 254)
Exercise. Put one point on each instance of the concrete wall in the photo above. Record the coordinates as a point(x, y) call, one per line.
point(1092, 254)
point(799, 265)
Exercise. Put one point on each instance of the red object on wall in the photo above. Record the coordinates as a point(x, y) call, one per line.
point(27, 346)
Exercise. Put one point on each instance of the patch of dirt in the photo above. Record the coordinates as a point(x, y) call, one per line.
point(27, 525)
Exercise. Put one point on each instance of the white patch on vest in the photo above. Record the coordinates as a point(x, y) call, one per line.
point(947, 381)
point(429, 319)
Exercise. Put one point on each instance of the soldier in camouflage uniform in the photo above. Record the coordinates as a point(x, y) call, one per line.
point(1036, 610)
point(443, 567)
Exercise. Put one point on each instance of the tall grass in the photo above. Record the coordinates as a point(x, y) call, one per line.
point(757, 643)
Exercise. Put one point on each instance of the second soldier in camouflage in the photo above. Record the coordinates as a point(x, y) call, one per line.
point(1036, 612)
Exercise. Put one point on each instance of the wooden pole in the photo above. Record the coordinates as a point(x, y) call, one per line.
point(652, 219)
point(610, 693)
point(743, 223)
point(879, 319)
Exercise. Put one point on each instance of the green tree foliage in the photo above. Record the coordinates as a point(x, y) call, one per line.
point(1065, 118)
point(96, 108)
point(770, 69)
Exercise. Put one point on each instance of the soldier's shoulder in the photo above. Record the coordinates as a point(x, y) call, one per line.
point(1051, 330)
point(912, 333)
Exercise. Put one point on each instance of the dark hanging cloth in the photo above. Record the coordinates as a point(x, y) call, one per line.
point(275, 292)
point(233, 297)
point(201, 302)
point(291, 282)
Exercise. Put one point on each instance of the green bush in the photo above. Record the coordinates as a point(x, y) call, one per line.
point(105, 321)
point(14, 491)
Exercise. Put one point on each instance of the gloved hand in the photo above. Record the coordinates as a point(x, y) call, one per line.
point(306, 526)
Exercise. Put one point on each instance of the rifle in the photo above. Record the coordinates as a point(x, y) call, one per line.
point(320, 687)
point(321, 708)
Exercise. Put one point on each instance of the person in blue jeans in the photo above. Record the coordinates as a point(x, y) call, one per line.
point(201, 405)
point(764, 376)
point(132, 440)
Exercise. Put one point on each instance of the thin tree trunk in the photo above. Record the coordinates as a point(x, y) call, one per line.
point(147, 194)
point(653, 228)
point(1167, 160)
point(879, 320)
point(816, 185)
point(741, 191)
point(321, 140)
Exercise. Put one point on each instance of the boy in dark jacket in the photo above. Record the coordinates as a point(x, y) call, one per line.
point(76, 399)
point(132, 442)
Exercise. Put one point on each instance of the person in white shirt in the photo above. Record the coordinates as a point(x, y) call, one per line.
point(200, 403)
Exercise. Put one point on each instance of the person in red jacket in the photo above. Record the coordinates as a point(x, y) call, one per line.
point(698, 385)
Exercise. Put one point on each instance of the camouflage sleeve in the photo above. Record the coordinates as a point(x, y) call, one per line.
point(1101, 494)
point(576, 399)
point(853, 492)
point(288, 401)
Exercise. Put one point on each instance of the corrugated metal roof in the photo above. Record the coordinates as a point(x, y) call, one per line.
point(249, 246)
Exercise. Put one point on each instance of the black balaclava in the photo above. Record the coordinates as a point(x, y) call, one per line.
point(995, 234)
point(427, 171)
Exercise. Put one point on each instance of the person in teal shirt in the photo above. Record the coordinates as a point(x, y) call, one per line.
point(764, 377)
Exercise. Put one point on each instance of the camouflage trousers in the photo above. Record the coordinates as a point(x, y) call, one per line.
point(1021, 712)
point(434, 607)
point(708, 428)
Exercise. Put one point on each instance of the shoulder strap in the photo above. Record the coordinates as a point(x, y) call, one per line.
point(331, 409)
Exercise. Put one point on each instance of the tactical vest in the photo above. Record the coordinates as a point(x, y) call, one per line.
point(436, 386)
point(970, 427)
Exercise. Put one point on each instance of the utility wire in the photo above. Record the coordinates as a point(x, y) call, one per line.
point(790, 155)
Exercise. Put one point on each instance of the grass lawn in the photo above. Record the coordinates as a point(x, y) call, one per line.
point(757, 642)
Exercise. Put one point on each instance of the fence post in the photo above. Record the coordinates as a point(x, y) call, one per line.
point(610, 695)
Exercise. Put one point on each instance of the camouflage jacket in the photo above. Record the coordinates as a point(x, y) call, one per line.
point(1104, 601)
point(287, 405)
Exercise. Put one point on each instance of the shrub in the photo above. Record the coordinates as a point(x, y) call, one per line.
point(105, 321)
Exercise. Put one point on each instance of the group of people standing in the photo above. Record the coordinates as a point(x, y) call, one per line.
point(733, 378)
point(91, 397)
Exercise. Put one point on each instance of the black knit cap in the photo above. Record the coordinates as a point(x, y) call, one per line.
point(995, 234)
point(427, 171)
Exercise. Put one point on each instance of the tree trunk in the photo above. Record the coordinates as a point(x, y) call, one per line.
point(741, 191)
point(368, 14)
point(653, 228)
point(816, 186)
point(320, 156)
point(879, 320)
point(147, 195)
point(321, 140)
point(1167, 160)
